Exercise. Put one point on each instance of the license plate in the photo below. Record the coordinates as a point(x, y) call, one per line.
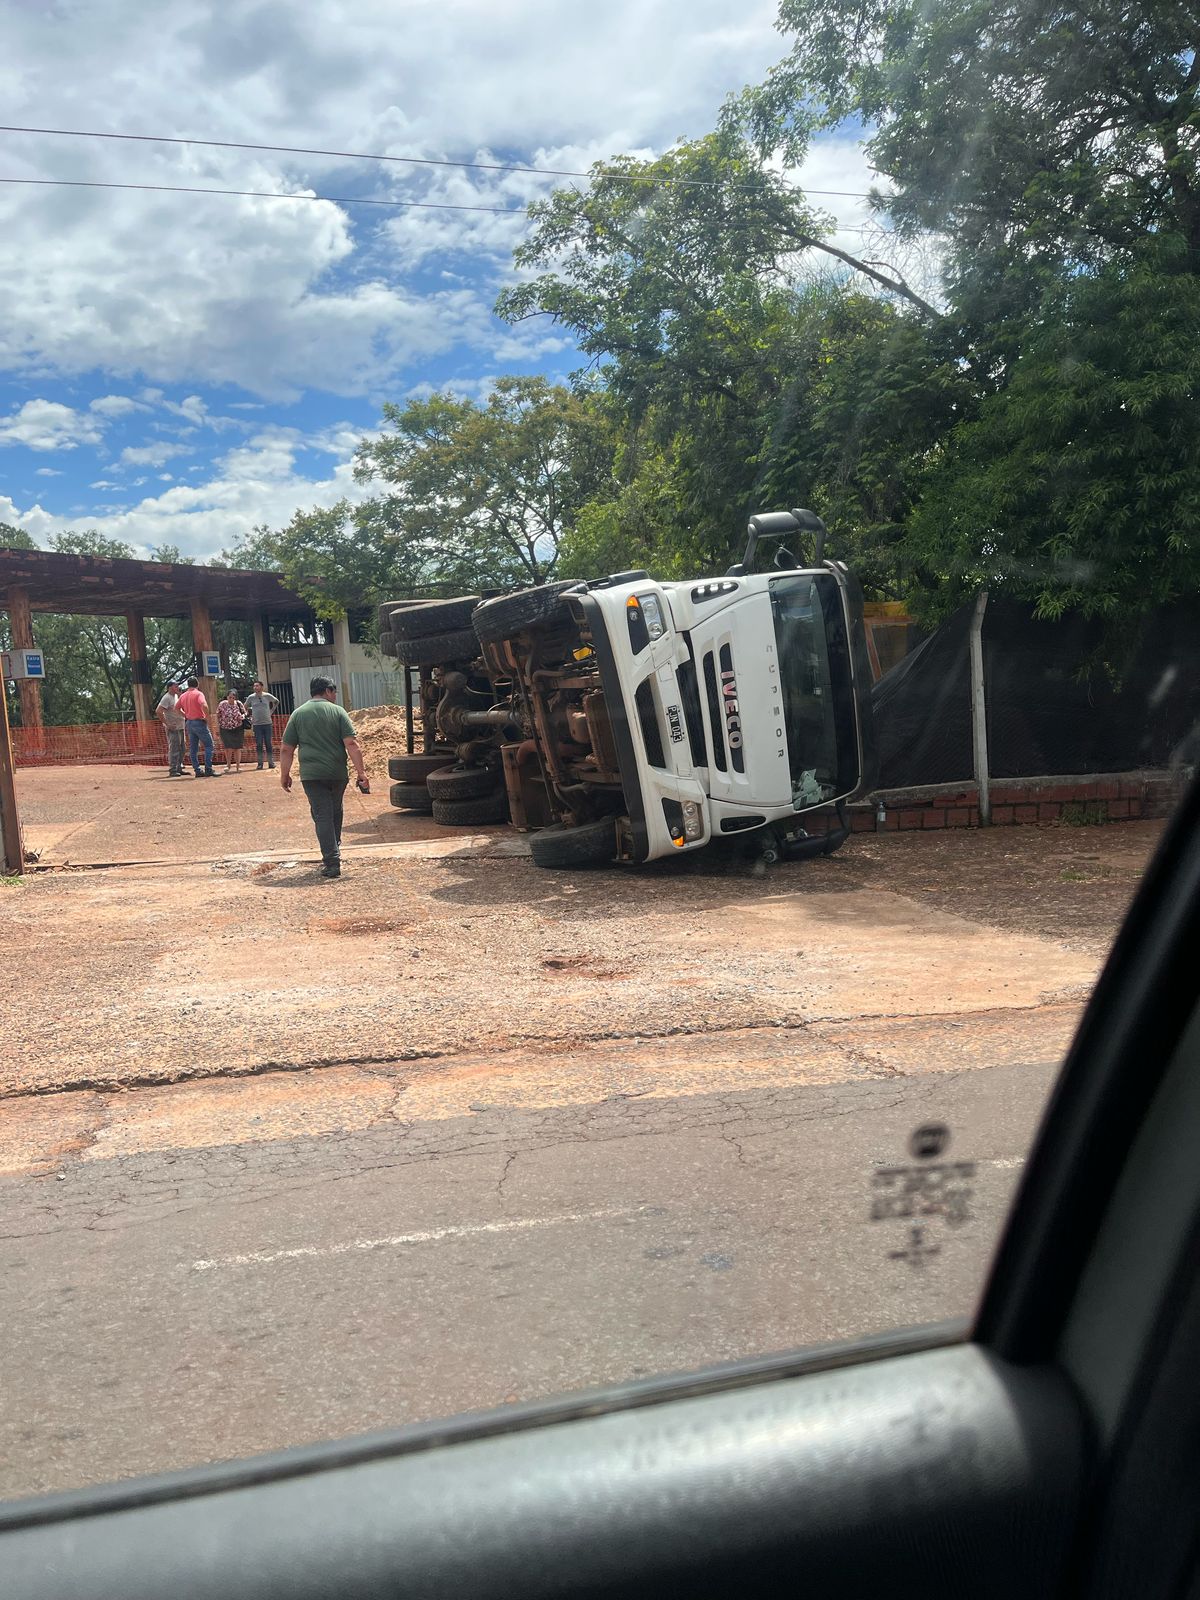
point(675, 723)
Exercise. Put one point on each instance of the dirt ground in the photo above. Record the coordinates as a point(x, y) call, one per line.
point(98, 815)
point(219, 960)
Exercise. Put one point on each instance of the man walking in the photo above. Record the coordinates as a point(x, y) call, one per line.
point(261, 707)
point(171, 717)
point(194, 709)
point(324, 736)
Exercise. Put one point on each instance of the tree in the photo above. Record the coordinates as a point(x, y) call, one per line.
point(1078, 484)
point(1036, 139)
point(873, 397)
point(334, 557)
point(472, 496)
point(482, 495)
point(1055, 152)
point(738, 378)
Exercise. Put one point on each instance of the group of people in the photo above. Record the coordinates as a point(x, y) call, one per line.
point(320, 731)
point(184, 714)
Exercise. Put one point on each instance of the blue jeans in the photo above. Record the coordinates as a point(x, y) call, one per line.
point(325, 797)
point(199, 733)
point(262, 742)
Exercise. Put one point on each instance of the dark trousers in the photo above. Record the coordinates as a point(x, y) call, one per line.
point(325, 802)
point(262, 742)
point(199, 734)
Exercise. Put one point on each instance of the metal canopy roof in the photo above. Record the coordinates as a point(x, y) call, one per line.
point(97, 586)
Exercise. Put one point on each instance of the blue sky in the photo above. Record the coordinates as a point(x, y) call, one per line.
point(175, 369)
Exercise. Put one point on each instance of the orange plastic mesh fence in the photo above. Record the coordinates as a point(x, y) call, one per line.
point(141, 744)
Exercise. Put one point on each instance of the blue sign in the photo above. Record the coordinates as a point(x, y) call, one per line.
point(210, 661)
point(35, 666)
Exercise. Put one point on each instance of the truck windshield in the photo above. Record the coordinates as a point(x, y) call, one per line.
point(818, 691)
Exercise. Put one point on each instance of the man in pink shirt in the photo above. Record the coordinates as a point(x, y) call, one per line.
point(194, 708)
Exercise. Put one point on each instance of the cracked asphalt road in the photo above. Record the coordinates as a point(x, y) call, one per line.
point(183, 1305)
point(283, 1159)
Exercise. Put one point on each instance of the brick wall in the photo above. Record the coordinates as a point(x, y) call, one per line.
point(1099, 798)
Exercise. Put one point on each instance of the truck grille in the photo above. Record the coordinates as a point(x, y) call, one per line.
point(716, 716)
point(723, 749)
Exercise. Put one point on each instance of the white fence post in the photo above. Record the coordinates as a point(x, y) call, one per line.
point(979, 739)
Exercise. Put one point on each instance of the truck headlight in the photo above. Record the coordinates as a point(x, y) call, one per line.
point(653, 615)
point(693, 821)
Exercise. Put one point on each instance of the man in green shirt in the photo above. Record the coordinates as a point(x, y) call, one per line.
point(324, 736)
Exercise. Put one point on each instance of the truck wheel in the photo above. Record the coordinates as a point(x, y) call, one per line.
point(472, 813)
point(428, 617)
point(410, 797)
point(591, 844)
point(384, 613)
point(387, 642)
point(461, 783)
point(499, 619)
point(416, 769)
point(438, 649)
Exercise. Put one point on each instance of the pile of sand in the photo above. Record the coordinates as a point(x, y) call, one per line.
point(381, 732)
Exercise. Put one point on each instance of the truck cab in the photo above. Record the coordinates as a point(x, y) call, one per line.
point(743, 701)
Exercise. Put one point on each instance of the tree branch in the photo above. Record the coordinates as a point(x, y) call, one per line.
point(894, 285)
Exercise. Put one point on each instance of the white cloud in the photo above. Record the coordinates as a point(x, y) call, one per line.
point(282, 296)
point(47, 472)
point(116, 405)
point(48, 425)
point(193, 408)
point(254, 483)
point(152, 455)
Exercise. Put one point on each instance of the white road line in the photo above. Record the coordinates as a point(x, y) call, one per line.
point(1005, 1161)
point(257, 1258)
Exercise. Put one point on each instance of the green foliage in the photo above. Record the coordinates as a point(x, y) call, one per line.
point(481, 495)
point(334, 557)
point(741, 381)
point(872, 394)
point(472, 496)
point(1078, 484)
point(1036, 138)
point(1055, 153)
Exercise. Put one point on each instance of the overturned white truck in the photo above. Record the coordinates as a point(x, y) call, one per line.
point(628, 720)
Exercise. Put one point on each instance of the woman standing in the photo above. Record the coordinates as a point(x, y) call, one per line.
point(231, 720)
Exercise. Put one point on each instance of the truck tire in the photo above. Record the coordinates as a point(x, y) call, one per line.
point(438, 649)
point(410, 797)
point(427, 617)
point(461, 783)
point(472, 813)
point(387, 642)
point(416, 768)
point(591, 844)
point(509, 614)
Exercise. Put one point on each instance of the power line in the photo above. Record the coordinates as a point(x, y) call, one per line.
point(414, 161)
point(330, 199)
point(261, 194)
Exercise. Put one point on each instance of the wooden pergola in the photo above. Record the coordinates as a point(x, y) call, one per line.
point(49, 580)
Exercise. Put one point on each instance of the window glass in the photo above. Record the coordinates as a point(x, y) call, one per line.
point(476, 1019)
